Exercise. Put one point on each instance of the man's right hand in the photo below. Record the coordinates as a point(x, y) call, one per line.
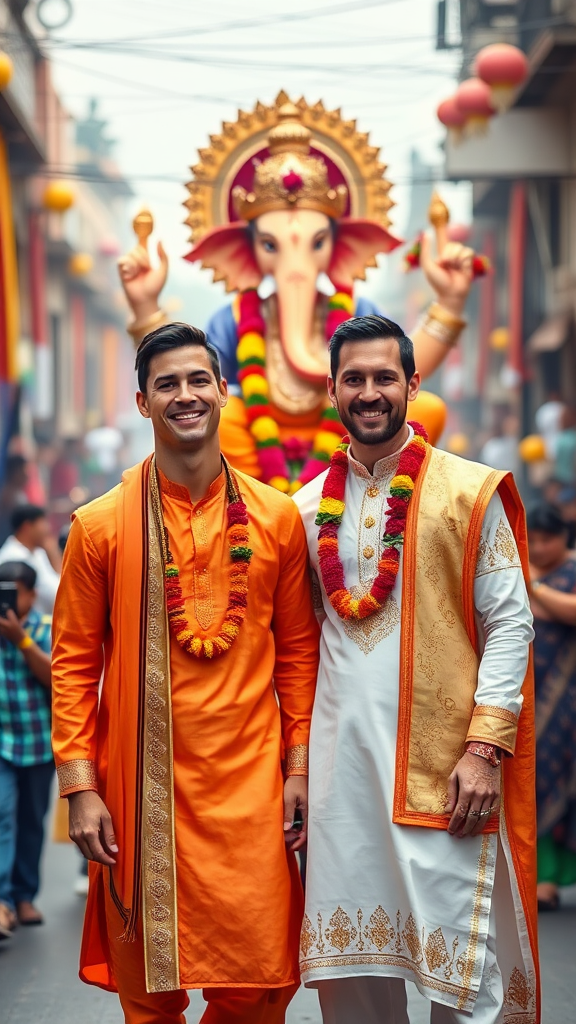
point(90, 827)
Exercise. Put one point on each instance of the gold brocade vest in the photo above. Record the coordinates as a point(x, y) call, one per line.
point(439, 648)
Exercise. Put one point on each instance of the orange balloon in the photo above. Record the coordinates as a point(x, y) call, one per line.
point(532, 448)
point(430, 411)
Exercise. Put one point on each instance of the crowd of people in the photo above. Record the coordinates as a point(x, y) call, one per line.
point(30, 568)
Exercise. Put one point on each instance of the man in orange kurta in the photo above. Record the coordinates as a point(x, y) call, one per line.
point(174, 775)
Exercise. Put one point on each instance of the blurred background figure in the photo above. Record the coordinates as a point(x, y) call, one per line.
point(33, 542)
point(12, 492)
point(26, 762)
point(553, 573)
point(501, 450)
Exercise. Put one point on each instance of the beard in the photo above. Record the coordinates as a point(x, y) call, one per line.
point(369, 434)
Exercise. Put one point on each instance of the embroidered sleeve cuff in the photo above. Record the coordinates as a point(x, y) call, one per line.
point(74, 776)
point(297, 760)
point(493, 725)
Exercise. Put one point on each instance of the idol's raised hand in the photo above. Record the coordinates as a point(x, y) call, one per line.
point(450, 272)
point(143, 283)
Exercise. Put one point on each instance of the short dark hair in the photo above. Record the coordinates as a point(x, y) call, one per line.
point(167, 337)
point(368, 328)
point(18, 572)
point(546, 518)
point(26, 514)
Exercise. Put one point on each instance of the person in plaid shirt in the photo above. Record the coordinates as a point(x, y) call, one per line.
point(26, 762)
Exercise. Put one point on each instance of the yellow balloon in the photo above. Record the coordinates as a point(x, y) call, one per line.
point(430, 411)
point(532, 448)
point(458, 444)
point(6, 70)
point(499, 339)
point(58, 196)
point(79, 264)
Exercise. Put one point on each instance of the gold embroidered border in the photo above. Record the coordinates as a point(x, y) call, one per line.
point(159, 906)
point(493, 725)
point(479, 895)
point(77, 774)
point(383, 959)
point(297, 760)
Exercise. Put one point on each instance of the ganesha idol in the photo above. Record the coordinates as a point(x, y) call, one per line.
point(288, 206)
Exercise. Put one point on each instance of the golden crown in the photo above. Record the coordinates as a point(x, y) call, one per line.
point(290, 178)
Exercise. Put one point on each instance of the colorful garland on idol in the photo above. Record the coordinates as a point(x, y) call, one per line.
point(329, 518)
point(251, 355)
point(240, 556)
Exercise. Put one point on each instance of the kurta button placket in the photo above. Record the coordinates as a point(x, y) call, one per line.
point(203, 604)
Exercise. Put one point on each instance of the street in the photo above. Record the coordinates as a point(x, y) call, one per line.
point(39, 982)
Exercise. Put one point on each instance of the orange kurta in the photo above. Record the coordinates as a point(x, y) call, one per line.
point(238, 894)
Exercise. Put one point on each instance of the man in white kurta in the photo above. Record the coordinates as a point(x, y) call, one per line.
point(389, 902)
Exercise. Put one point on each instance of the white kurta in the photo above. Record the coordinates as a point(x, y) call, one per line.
point(385, 899)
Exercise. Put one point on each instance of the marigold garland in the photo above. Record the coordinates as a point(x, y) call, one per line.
point(329, 518)
point(251, 355)
point(240, 557)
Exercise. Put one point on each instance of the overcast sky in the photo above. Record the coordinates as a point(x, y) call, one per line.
point(167, 73)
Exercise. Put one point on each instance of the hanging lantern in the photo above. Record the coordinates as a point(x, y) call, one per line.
point(499, 339)
point(450, 115)
point(6, 70)
point(58, 196)
point(457, 444)
point(80, 264)
point(473, 99)
point(532, 448)
point(503, 68)
point(429, 410)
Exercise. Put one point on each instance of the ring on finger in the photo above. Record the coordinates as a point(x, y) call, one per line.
point(476, 814)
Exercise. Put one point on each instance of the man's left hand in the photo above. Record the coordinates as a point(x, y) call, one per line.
point(11, 629)
point(295, 798)
point(473, 795)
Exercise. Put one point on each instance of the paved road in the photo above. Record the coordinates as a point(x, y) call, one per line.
point(38, 967)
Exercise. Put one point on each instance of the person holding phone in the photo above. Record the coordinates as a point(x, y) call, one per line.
point(26, 762)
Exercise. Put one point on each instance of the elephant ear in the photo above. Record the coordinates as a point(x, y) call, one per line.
point(357, 242)
point(227, 251)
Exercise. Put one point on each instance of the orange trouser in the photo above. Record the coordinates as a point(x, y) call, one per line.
point(225, 1005)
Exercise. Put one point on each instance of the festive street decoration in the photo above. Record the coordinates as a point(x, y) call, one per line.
point(58, 196)
point(6, 70)
point(532, 448)
point(457, 444)
point(80, 264)
point(473, 99)
point(499, 339)
point(451, 116)
point(329, 519)
point(503, 67)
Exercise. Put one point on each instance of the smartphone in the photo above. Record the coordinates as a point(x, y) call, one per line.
point(8, 598)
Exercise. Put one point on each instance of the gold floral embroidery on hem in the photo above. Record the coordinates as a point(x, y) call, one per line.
point(368, 633)
point(379, 941)
point(498, 553)
point(76, 774)
point(519, 991)
point(297, 760)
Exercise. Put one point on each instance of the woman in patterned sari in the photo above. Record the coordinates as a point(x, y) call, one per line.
point(553, 571)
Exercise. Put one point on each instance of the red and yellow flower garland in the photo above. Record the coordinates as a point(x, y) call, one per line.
point(329, 518)
point(240, 556)
point(251, 354)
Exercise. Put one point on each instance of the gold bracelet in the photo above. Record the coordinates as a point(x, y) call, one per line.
point(25, 643)
point(138, 329)
point(442, 325)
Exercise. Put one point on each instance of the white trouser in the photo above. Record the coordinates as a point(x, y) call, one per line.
point(374, 1000)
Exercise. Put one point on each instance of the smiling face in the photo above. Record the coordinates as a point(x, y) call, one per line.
point(370, 391)
point(183, 398)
